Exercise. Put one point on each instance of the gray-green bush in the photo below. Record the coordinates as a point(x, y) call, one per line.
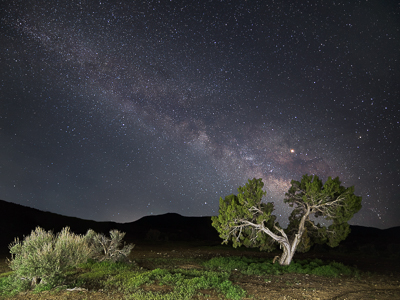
point(109, 248)
point(43, 258)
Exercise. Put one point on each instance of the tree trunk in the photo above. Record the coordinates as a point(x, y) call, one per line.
point(290, 249)
point(287, 255)
point(283, 240)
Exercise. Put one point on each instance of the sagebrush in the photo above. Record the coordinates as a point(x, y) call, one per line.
point(109, 248)
point(43, 258)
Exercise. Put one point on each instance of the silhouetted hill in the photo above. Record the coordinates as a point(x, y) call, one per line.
point(17, 220)
point(172, 226)
point(372, 240)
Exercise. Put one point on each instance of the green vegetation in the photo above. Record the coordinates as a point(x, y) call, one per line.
point(184, 283)
point(42, 259)
point(169, 282)
point(47, 262)
point(245, 220)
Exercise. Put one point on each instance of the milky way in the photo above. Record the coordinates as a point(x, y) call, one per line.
point(117, 110)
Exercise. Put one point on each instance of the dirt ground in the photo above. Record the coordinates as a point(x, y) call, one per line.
point(381, 282)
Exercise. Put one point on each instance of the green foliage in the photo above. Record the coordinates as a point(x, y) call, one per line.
point(43, 287)
point(97, 272)
point(305, 242)
point(185, 283)
point(330, 200)
point(10, 287)
point(244, 219)
point(43, 257)
point(313, 192)
point(234, 208)
point(135, 282)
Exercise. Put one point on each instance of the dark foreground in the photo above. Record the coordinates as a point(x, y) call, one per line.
point(185, 242)
point(379, 279)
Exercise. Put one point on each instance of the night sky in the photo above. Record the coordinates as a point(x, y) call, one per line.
point(114, 110)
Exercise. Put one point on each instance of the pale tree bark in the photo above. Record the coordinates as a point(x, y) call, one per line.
point(288, 247)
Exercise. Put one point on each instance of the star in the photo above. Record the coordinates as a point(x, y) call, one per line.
point(165, 108)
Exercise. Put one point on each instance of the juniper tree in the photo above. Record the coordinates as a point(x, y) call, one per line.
point(245, 220)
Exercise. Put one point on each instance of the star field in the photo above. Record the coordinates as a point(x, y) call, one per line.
point(113, 110)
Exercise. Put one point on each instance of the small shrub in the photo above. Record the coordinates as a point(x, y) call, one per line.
point(327, 271)
point(110, 248)
point(43, 257)
point(231, 291)
point(341, 268)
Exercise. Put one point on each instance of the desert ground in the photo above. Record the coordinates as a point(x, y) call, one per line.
point(379, 279)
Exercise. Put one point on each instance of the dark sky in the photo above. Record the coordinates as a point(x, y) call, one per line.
point(113, 110)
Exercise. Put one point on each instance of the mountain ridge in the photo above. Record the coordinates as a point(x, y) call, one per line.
point(18, 221)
